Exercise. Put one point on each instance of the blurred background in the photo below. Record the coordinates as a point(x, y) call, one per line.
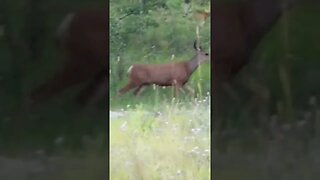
point(267, 124)
point(44, 136)
point(270, 112)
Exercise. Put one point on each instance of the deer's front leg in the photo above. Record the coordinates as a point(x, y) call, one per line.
point(189, 89)
point(176, 88)
point(125, 89)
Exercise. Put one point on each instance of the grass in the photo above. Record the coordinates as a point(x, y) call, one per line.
point(173, 143)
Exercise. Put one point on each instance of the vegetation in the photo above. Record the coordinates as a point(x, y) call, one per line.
point(171, 143)
point(153, 36)
point(157, 136)
point(273, 129)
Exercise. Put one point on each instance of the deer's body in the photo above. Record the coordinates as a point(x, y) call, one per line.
point(151, 74)
point(238, 28)
point(82, 38)
point(171, 74)
point(155, 74)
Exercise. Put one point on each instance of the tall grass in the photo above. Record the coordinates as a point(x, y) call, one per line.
point(172, 143)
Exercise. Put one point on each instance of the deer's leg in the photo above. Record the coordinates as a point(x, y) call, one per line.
point(125, 89)
point(95, 90)
point(99, 93)
point(182, 90)
point(176, 92)
point(139, 90)
point(64, 79)
point(189, 89)
point(177, 87)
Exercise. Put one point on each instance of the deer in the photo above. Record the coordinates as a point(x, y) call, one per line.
point(171, 74)
point(238, 28)
point(82, 38)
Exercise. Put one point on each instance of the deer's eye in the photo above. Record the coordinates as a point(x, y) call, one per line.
point(207, 54)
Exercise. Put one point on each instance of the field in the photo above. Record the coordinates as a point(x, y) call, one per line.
point(171, 143)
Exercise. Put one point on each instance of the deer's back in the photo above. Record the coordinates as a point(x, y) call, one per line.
point(85, 39)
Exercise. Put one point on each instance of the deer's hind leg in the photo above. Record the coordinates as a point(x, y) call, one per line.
point(138, 90)
point(95, 90)
point(126, 88)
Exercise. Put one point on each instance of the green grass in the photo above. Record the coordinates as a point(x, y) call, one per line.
point(172, 143)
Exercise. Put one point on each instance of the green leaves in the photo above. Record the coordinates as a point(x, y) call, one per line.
point(174, 4)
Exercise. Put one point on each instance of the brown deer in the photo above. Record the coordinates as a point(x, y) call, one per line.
point(171, 74)
point(82, 37)
point(237, 30)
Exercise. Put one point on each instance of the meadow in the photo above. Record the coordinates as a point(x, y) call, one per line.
point(170, 143)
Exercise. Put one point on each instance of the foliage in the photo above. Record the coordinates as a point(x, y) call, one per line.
point(151, 36)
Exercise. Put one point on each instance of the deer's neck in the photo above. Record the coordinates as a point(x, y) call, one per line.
point(192, 65)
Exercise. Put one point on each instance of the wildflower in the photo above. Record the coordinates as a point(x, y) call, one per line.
point(123, 126)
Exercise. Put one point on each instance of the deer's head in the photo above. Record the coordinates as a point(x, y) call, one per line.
point(201, 56)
